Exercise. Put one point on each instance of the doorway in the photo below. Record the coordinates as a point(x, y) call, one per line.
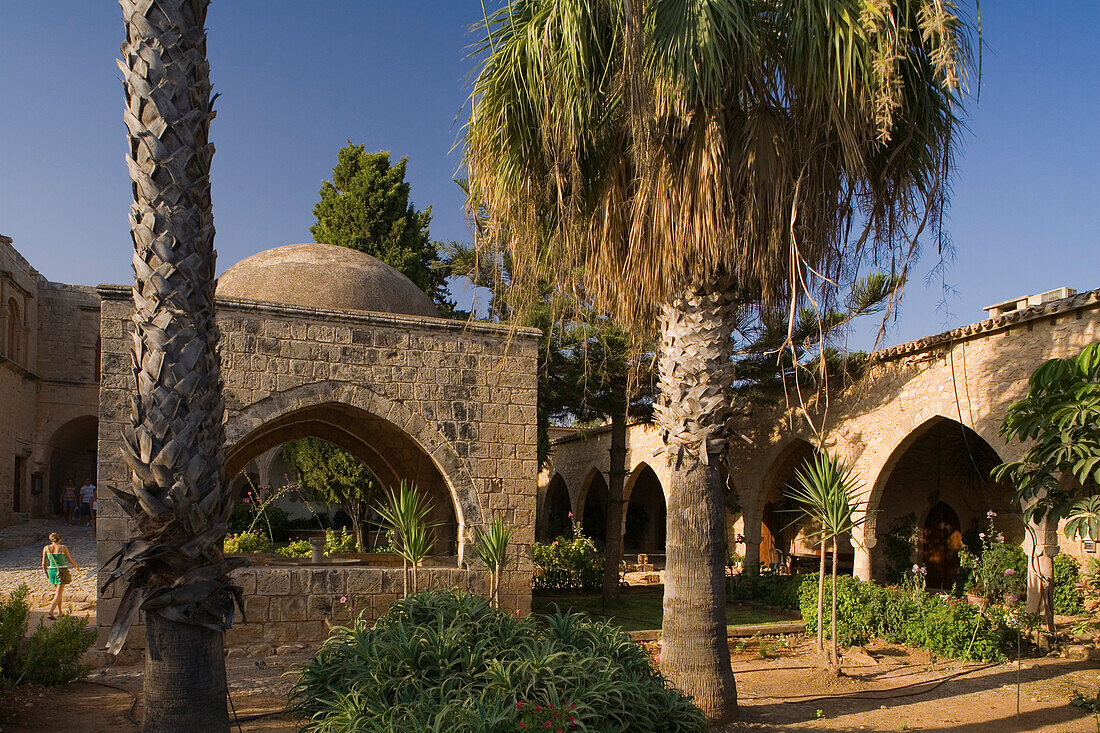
point(942, 542)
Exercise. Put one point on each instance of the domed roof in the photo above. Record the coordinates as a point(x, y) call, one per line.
point(326, 277)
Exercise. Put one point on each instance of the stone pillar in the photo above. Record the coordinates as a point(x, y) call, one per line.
point(864, 538)
point(1041, 545)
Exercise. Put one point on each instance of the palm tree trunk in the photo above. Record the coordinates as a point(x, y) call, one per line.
point(613, 547)
point(176, 659)
point(174, 443)
point(821, 601)
point(691, 411)
point(834, 658)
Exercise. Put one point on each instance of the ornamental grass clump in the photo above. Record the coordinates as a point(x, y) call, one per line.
point(448, 661)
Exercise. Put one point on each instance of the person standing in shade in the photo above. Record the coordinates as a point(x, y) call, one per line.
point(68, 500)
point(95, 507)
point(87, 493)
point(55, 563)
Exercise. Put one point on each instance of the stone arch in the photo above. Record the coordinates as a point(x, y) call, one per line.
point(72, 455)
point(945, 462)
point(556, 509)
point(338, 413)
point(16, 326)
point(644, 520)
point(781, 535)
point(592, 507)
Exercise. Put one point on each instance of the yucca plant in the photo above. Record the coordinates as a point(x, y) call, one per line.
point(690, 160)
point(491, 546)
point(827, 491)
point(403, 515)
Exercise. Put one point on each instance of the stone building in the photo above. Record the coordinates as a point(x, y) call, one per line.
point(326, 342)
point(49, 392)
point(920, 430)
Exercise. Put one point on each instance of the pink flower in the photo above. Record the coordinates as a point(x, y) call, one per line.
point(1009, 571)
point(343, 599)
point(246, 500)
point(548, 724)
point(570, 515)
point(519, 704)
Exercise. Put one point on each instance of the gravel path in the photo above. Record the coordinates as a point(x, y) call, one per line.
point(24, 564)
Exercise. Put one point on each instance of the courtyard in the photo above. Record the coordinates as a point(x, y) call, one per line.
point(716, 366)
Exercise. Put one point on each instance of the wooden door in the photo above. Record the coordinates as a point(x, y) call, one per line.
point(942, 542)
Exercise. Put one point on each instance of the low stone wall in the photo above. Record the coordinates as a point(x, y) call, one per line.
point(297, 604)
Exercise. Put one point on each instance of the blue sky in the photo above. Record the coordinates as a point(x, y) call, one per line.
point(299, 78)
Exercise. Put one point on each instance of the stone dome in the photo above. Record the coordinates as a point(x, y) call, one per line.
point(325, 277)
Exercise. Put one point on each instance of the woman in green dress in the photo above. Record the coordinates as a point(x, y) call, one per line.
point(55, 563)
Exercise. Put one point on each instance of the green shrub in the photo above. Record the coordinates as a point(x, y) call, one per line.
point(296, 548)
point(340, 543)
point(447, 661)
point(949, 627)
point(767, 588)
point(568, 564)
point(899, 545)
point(1068, 599)
point(52, 655)
point(14, 617)
point(246, 543)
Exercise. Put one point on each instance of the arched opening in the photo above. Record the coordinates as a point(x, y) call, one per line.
point(390, 454)
point(932, 499)
point(73, 456)
point(784, 536)
point(594, 521)
point(556, 519)
point(942, 540)
point(15, 332)
point(645, 514)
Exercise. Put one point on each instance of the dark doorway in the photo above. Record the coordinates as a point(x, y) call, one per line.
point(557, 521)
point(942, 542)
point(17, 487)
point(595, 510)
point(645, 515)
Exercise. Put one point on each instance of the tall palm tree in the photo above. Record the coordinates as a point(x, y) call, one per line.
point(173, 567)
point(695, 159)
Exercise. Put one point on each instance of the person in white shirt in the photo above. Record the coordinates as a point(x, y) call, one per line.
point(87, 492)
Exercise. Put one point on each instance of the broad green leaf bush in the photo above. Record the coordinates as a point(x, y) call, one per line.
point(52, 653)
point(448, 661)
point(767, 588)
point(944, 625)
point(568, 564)
point(1068, 599)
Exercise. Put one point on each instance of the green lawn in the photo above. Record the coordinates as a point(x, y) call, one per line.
point(640, 609)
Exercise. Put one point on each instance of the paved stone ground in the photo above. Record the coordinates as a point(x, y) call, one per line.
point(24, 565)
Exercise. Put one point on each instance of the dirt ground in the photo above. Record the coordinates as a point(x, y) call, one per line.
point(884, 688)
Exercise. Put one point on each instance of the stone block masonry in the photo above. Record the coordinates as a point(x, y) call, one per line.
point(446, 404)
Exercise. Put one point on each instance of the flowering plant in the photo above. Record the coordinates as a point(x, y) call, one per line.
point(536, 717)
point(999, 573)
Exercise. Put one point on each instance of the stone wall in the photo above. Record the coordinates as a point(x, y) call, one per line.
point(453, 398)
point(970, 375)
point(46, 380)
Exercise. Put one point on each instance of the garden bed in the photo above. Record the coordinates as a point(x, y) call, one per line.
point(640, 608)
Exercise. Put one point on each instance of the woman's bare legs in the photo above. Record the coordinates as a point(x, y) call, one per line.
point(57, 595)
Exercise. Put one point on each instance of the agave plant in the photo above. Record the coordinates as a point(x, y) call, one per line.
point(403, 514)
point(491, 546)
point(827, 491)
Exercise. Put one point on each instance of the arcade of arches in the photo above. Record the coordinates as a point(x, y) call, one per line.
point(920, 432)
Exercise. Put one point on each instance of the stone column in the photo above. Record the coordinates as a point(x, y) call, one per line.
point(1041, 545)
point(864, 538)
